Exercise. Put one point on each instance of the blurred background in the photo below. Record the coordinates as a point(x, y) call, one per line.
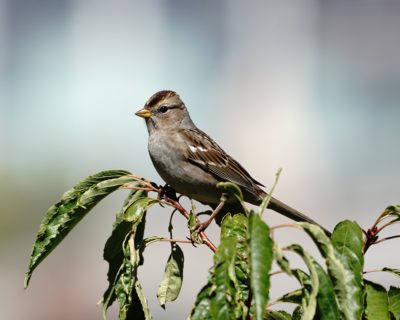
point(311, 86)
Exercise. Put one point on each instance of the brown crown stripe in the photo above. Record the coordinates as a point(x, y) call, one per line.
point(157, 97)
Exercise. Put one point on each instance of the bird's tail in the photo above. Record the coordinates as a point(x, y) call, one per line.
point(256, 197)
point(291, 213)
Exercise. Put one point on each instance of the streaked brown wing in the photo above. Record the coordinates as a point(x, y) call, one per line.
point(205, 153)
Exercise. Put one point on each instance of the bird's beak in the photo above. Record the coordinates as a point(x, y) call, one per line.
point(144, 113)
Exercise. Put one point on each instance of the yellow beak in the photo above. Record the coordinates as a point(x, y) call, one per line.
point(144, 113)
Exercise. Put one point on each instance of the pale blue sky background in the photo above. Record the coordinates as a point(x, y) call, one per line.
point(310, 86)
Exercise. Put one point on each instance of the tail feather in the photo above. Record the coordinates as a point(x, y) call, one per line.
point(293, 214)
point(256, 196)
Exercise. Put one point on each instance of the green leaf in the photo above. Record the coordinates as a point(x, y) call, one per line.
point(348, 241)
point(133, 196)
point(123, 251)
point(236, 227)
point(222, 306)
point(201, 309)
point(138, 209)
point(327, 308)
point(171, 284)
point(113, 249)
point(127, 288)
point(393, 271)
point(281, 260)
point(394, 302)
point(377, 305)
point(309, 305)
point(260, 254)
point(150, 240)
point(295, 297)
point(62, 217)
point(393, 210)
point(231, 188)
point(139, 307)
point(306, 286)
point(192, 220)
point(278, 315)
point(346, 282)
point(227, 291)
point(297, 313)
point(192, 224)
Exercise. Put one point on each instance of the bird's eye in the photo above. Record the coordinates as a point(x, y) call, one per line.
point(163, 109)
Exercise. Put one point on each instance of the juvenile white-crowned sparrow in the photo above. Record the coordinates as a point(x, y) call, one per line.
point(191, 162)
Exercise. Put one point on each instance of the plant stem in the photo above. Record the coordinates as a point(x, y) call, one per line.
point(175, 240)
point(371, 271)
point(275, 273)
point(391, 222)
point(267, 199)
point(286, 225)
point(387, 238)
point(175, 204)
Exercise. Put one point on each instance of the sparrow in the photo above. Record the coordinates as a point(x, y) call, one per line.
point(192, 163)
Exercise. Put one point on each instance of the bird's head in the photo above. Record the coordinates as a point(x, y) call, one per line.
point(165, 110)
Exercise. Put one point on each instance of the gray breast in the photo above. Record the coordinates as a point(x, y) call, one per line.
point(167, 153)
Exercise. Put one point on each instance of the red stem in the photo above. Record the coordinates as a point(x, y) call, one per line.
point(391, 222)
point(182, 210)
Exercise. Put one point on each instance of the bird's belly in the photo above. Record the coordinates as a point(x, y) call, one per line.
point(185, 178)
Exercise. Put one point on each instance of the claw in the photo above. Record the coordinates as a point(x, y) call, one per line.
point(192, 241)
point(167, 192)
point(155, 185)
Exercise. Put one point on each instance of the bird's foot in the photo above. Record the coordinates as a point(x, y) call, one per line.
point(167, 191)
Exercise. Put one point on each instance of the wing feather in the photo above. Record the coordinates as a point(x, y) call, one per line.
point(205, 153)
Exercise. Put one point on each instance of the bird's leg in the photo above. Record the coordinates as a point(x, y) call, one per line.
point(203, 226)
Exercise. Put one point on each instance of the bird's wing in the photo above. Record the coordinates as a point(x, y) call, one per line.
point(205, 153)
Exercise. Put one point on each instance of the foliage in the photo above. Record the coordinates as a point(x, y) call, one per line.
point(238, 284)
